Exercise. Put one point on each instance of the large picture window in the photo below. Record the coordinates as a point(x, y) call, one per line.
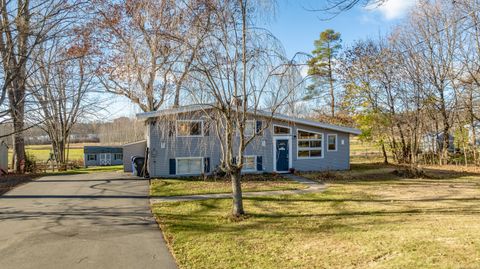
point(189, 166)
point(309, 144)
point(189, 128)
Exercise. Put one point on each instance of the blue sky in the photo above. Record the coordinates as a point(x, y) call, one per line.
point(297, 28)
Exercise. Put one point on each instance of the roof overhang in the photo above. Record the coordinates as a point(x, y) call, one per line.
point(194, 108)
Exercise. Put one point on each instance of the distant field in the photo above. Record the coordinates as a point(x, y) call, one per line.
point(41, 153)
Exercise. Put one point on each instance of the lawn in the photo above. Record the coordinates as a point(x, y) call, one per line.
point(189, 186)
point(367, 218)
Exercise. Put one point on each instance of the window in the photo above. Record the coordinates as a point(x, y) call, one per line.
point(332, 142)
point(250, 128)
point(281, 130)
point(309, 144)
point(189, 128)
point(118, 156)
point(189, 166)
point(91, 157)
point(249, 163)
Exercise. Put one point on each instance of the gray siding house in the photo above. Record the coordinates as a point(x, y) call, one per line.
point(182, 142)
point(102, 156)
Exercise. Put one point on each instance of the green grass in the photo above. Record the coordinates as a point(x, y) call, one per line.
point(378, 221)
point(175, 187)
point(42, 152)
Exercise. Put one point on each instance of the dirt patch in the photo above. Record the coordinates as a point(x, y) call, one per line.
point(9, 182)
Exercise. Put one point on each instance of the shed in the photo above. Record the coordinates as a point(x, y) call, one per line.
point(102, 156)
point(133, 149)
point(3, 158)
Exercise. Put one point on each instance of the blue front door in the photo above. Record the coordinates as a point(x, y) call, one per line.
point(282, 155)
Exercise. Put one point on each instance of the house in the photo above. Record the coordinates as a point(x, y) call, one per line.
point(473, 139)
point(3, 158)
point(133, 149)
point(433, 143)
point(102, 156)
point(182, 142)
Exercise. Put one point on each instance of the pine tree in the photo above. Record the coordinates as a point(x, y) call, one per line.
point(321, 66)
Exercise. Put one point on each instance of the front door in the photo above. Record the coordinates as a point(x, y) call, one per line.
point(282, 155)
point(105, 159)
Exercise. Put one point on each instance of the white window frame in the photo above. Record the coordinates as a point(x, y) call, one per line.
point(115, 156)
point(336, 142)
point(309, 148)
point(254, 161)
point(202, 165)
point(91, 154)
point(176, 128)
point(254, 131)
point(277, 125)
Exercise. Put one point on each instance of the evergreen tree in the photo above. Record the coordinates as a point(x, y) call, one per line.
point(321, 66)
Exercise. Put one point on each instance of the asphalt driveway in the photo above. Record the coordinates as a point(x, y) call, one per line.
point(97, 220)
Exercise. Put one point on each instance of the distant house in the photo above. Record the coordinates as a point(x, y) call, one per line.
point(102, 156)
point(133, 149)
point(3, 158)
point(182, 141)
point(433, 143)
point(471, 129)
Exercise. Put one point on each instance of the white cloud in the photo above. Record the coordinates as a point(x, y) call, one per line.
point(394, 9)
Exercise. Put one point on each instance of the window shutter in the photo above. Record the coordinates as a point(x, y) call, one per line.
point(206, 128)
point(206, 165)
point(171, 128)
point(259, 127)
point(173, 167)
point(259, 163)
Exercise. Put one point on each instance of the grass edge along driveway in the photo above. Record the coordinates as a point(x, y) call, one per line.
point(384, 222)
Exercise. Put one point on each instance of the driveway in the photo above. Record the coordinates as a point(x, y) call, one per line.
point(97, 220)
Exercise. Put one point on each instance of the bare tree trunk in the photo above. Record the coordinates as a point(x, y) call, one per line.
point(384, 152)
point(237, 209)
point(17, 113)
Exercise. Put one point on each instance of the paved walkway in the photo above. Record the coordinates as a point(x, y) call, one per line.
point(313, 187)
point(100, 220)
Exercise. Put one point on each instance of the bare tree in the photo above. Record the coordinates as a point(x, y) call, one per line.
point(242, 73)
point(25, 24)
point(62, 87)
point(148, 47)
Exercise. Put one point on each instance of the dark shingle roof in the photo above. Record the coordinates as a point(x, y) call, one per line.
point(100, 149)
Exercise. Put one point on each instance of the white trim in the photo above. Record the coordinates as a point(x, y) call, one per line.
point(322, 148)
point(277, 125)
point(254, 165)
point(188, 158)
point(290, 156)
point(176, 128)
point(336, 142)
point(193, 108)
